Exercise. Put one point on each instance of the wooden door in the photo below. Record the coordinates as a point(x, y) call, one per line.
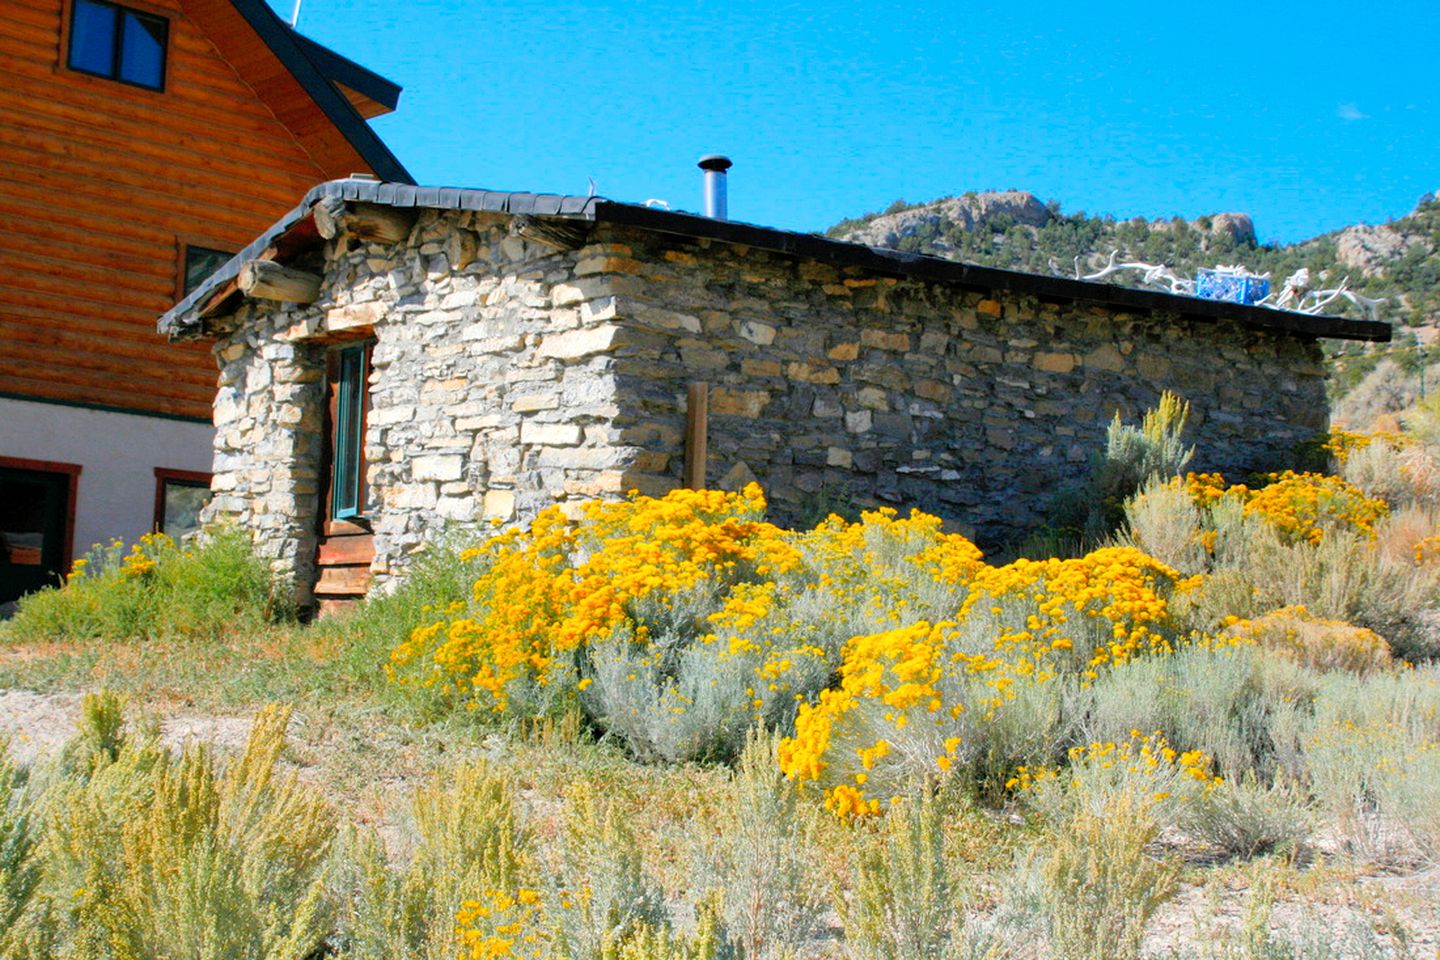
point(346, 544)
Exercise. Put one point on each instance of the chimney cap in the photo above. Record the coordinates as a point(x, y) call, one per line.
point(715, 161)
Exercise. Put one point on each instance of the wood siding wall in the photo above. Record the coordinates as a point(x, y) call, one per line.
point(102, 184)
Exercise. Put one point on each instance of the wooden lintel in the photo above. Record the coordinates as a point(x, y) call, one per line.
point(365, 221)
point(275, 281)
point(554, 232)
point(697, 428)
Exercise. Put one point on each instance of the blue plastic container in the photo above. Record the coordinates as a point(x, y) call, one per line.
point(1237, 288)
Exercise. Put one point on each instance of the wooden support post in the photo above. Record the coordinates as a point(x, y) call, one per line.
point(697, 426)
point(275, 281)
point(367, 221)
point(329, 216)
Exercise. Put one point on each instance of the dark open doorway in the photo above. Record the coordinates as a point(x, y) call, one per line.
point(37, 510)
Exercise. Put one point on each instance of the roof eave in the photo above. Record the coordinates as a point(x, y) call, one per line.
point(186, 317)
point(284, 43)
point(340, 69)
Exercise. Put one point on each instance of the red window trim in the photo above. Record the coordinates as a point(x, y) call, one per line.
point(71, 470)
point(193, 478)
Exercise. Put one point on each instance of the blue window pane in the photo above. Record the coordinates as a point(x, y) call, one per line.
point(92, 38)
point(142, 50)
point(349, 439)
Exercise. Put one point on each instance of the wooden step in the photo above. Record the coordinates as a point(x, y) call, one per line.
point(346, 551)
point(343, 581)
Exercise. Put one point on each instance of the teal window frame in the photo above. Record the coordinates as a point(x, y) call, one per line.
point(347, 444)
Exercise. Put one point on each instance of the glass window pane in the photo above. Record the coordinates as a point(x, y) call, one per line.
point(92, 38)
point(183, 503)
point(200, 262)
point(142, 50)
point(349, 414)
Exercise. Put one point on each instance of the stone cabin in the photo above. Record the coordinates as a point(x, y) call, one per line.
point(394, 360)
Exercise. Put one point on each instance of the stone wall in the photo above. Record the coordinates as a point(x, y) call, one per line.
point(509, 375)
point(843, 385)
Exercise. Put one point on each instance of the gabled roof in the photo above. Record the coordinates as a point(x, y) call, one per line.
point(375, 94)
point(297, 78)
point(296, 230)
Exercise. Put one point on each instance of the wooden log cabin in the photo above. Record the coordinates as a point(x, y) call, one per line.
point(142, 143)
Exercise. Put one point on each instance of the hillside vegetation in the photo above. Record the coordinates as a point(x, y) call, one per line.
point(667, 729)
point(1397, 261)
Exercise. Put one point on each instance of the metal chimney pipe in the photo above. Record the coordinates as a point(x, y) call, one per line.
point(715, 166)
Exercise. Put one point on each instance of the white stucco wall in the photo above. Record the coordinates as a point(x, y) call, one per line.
point(118, 453)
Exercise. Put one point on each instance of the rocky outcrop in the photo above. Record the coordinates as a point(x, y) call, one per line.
point(972, 211)
point(1238, 226)
point(967, 211)
point(1369, 249)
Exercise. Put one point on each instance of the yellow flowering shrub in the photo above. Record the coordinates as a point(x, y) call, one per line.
point(1207, 489)
point(1157, 779)
point(155, 588)
point(1427, 551)
point(1302, 506)
point(677, 623)
point(145, 554)
point(501, 924)
point(561, 583)
point(883, 571)
point(918, 700)
point(1339, 444)
point(1292, 632)
point(1378, 777)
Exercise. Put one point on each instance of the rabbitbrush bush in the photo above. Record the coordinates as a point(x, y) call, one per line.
point(20, 833)
point(1101, 886)
point(1132, 455)
point(677, 624)
point(1372, 756)
point(153, 855)
point(905, 899)
point(158, 590)
point(599, 896)
point(1316, 544)
point(923, 700)
point(890, 655)
point(467, 860)
point(770, 899)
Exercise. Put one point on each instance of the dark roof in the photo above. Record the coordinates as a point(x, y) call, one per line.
point(348, 73)
point(294, 51)
point(295, 229)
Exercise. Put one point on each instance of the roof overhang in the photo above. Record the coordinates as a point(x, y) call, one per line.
point(300, 81)
point(368, 92)
point(296, 230)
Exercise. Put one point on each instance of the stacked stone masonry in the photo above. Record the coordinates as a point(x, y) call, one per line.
point(509, 375)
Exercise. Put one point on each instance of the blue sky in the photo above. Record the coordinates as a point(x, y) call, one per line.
point(1307, 116)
